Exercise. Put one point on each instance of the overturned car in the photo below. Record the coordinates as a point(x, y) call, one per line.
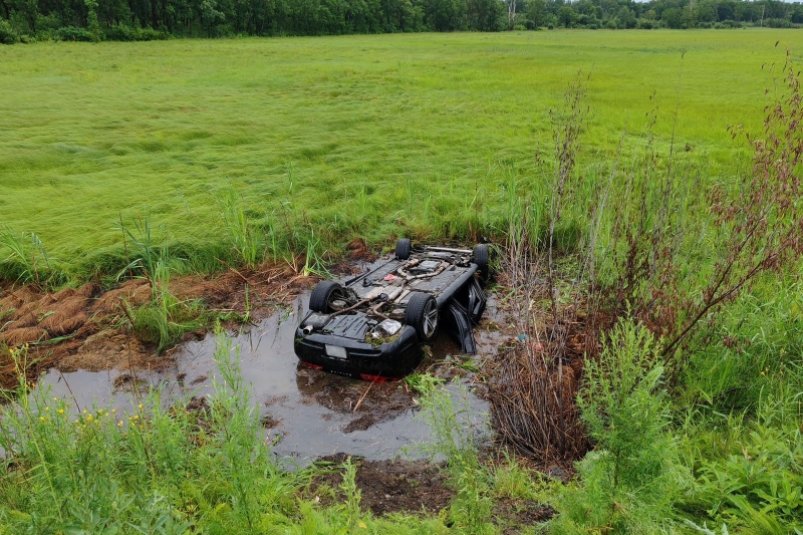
point(374, 324)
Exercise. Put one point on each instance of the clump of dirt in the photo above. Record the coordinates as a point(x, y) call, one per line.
point(86, 328)
point(387, 486)
point(130, 382)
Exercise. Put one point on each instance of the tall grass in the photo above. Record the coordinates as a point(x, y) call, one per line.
point(26, 259)
point(165, 318)
point(246, 240)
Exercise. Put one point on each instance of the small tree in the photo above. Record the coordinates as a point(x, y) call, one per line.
point(92, 19)
point(629, 483)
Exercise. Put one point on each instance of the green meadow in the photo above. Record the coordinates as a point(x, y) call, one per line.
point(344, 137)
point(686, 410)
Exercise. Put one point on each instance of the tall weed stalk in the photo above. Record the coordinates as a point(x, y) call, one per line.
point(247, 241)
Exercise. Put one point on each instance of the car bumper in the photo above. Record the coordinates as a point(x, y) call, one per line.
point(390, 359)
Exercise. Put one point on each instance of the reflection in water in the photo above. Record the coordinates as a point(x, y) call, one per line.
point(312, 412)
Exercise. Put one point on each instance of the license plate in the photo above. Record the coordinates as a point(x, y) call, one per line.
point(336, 352)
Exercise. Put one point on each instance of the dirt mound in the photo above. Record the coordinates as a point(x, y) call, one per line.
point(358, 250)
point(388, 486)
point(112, 348)
point(65, 315)
point(22, 335)
point(134, 292)
point(84, 327)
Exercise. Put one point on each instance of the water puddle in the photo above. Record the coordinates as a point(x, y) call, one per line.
point(309, 413)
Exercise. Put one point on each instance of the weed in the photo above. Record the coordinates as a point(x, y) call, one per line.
point(154, 469)
point(164, 319)
point(352, 493)
point(422, 383)
point(246, 241)
point(27, 260)
point(471, 510)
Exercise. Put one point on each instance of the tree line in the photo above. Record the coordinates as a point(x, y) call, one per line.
point(94, 20)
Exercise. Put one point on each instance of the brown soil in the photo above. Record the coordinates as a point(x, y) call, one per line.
point(387, 486)
point(86, 327)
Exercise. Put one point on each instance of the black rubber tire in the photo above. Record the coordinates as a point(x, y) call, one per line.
point(403, 248)
point(422, 314)
point(482, 257)
point(321, 296)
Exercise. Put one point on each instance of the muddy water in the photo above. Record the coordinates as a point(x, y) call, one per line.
point(308, 412)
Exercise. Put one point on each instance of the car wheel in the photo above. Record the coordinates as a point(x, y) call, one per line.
point(482, 257)
point(422, 313)
point(322, 296)
point(403, 248)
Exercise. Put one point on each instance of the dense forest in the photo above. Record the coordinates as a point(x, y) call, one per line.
point(94, 20)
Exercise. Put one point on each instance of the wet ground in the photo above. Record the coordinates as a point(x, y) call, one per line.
point(310, 413)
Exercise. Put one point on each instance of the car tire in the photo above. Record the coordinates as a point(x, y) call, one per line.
point(403, 248)
point(321, 296)
point(422, 314)
point(482, 257)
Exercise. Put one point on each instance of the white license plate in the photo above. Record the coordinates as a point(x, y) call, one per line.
point(336, 352)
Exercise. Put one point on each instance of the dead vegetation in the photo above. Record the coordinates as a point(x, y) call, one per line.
point(533, 385)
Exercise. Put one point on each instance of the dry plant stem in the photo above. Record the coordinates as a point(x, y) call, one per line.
point(763, 223)
point(532, 391)
point(566, 132)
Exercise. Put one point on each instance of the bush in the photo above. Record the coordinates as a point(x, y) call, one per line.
point(777, 23)
point(126, 33)
point(7, 34)
point(73, 33)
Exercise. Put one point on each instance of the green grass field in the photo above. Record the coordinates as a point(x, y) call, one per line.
point(356, 136)
point(239, 149)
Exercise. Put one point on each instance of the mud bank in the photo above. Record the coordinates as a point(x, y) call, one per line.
point(85, 328)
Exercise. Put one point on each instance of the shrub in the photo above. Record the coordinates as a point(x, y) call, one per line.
point(629, 483)
point(7, 34)
point(121, 32)
point(777, 23)
point(73, 33)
